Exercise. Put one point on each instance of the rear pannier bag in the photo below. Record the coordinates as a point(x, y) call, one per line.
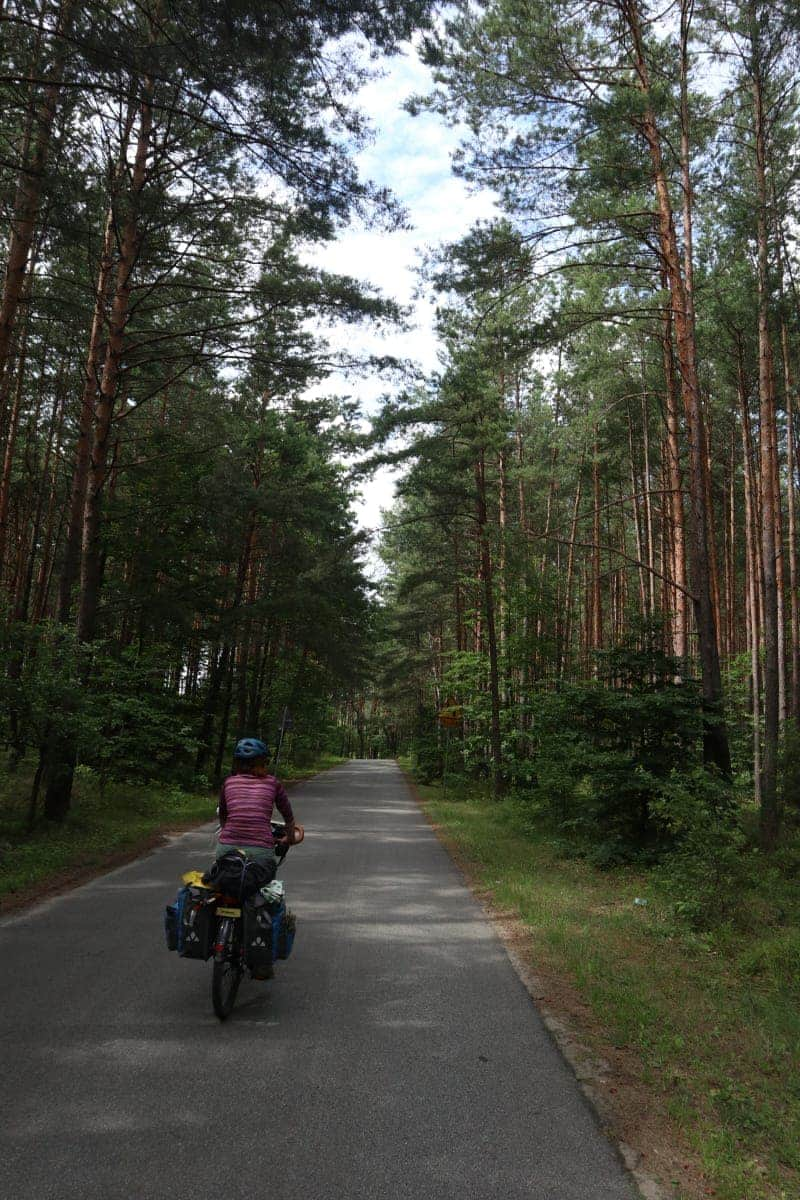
point(197, 924)
point(258, 933)
point(173, 920)
point(171, 926)
point(286, 934)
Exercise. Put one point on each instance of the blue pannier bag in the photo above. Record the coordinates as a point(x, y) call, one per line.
point(173, 920)
point(277, 926)
point(283, 927)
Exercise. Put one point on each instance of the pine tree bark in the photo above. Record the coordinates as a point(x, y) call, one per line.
point(678, 598)
point(217, 671)
point(225, 720)
point(780, 580)
point(566, 640)
point(13, 430)
point(458, 599)
point(487, 579)
point(61, 753)
point(791, 499)
point(716, 750)
point(752, 569)
point(56, 417)
point(91, 558)
point(713, 560)
point(502, 523)
point(769, 815)
point(520, 443)
point(596, 612)
point(648, 515)
point(51, 525)
point(80, 471)
point(29, 188)
point(637, 525)
point(730, 647)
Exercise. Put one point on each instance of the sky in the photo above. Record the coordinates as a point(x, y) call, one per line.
point(411, 156)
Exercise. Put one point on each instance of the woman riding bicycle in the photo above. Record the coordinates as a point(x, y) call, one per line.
point(246, 801)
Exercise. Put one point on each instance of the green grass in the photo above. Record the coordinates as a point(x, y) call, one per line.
point(713, 1022)
point(100, 824)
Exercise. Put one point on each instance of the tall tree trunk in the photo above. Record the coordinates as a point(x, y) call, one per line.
point(91, 558)
point(648, 515)
point(498, 782)
point(217, 672)
point(50, 535)
point(567, 636)
point(56, 416)
point(552, 488)
point(596, 619)
point(502, 522)
point(791, 498)
point(752, 571)
point(226, 715)
point(637, 524)
point(17, 729)
point(477, 643)
point(62, 753)
point(80, 471)
point(458, 599)
point(713, 561)
point(222, 671)
point(769, 816)
point(730, 546)
point(520, 442)
point(13, 430)
point(780, 582)
point(678, 598)
point(716, 750)
point(247, 633)
point(29, 188)
point(265, 669)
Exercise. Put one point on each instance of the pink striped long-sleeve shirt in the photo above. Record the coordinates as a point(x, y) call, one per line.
point(245, 809)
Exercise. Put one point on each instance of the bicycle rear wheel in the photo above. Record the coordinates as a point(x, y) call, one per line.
point(227, 972)
point(224, 986)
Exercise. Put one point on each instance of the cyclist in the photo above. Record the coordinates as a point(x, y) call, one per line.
point(246, 801)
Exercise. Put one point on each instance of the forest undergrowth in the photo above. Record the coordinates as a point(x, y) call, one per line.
point(701, 1000)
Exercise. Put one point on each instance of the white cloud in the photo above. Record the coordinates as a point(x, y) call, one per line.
point(410, 156)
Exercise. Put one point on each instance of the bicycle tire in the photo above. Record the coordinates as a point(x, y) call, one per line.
point(227, 973)
point(225, 982)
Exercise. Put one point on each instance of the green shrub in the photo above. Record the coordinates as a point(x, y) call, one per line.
point(707, 878)
point(427, 749)
point(710, 876)
point(605, 750)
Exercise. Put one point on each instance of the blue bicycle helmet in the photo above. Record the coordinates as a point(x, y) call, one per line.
point(249, 748)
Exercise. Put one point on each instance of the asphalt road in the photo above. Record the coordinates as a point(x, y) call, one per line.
point(395, 1055)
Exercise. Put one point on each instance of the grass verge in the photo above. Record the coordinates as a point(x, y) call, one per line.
point(700, 1054)
point(104, 828)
